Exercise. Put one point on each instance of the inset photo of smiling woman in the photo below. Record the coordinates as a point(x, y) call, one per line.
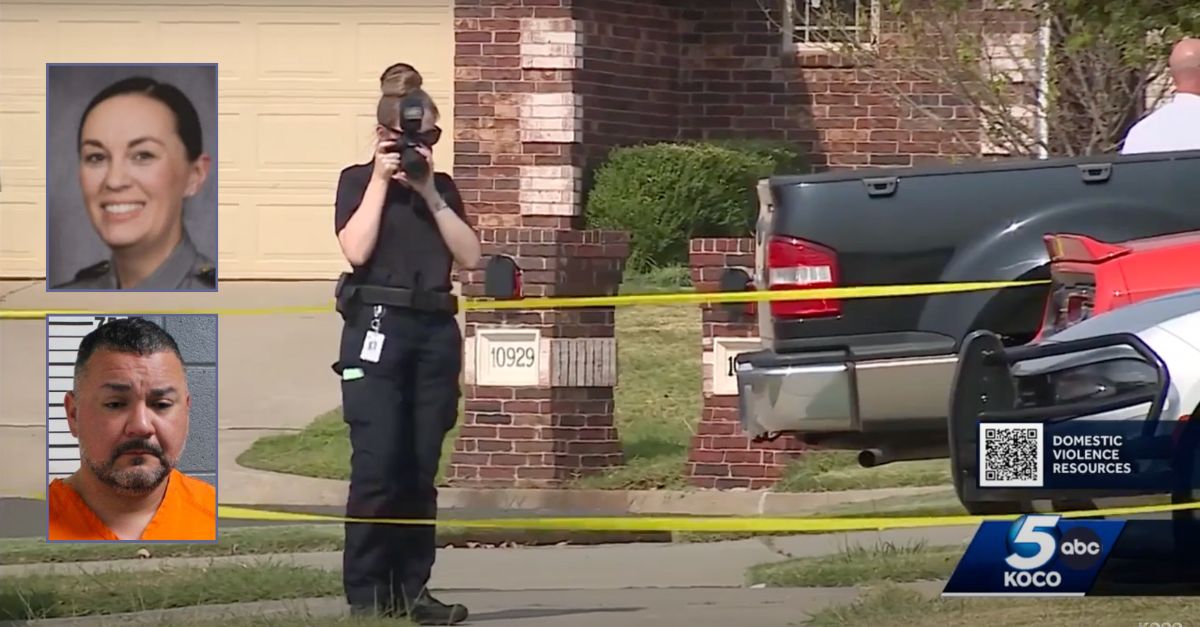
point(131, 177)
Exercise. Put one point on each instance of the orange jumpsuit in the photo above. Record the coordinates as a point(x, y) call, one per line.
point(188, 512)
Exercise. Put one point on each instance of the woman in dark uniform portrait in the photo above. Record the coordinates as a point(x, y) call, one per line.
point(402, 227)
point(141, 155)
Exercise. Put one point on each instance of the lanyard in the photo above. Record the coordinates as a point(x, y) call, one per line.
point(375, 319)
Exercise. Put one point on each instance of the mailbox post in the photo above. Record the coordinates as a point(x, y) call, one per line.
point(721, 456)
point(539, 383)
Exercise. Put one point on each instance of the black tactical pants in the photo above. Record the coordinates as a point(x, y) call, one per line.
point(398, 412)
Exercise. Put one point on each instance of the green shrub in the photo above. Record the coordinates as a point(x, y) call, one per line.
point(665, 194)
point(782, 154)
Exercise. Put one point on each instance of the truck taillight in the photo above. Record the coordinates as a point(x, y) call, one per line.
point(1069, 305)
point(794, 264)
point(1073, 259)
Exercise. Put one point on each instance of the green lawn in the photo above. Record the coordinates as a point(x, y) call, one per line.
point(657, 407)
point(321, 450)
point(885, 604)
point(858, 565)
point(236, 541)
point(32, 597)
point(658, 403)
point(658, 400)
point(892, 606)
point(828, 471)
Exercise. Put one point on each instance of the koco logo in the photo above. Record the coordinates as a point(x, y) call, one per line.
point(1034, 540)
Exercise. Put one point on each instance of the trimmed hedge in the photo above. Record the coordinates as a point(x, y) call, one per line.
point(667, 193)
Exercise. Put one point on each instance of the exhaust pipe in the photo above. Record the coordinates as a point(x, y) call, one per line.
point(872, 457)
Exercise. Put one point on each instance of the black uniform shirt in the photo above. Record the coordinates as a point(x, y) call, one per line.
point(409, 251)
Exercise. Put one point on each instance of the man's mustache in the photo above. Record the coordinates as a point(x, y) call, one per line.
point(137, 445)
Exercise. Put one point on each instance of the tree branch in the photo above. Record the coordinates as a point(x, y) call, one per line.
point(1100, 66)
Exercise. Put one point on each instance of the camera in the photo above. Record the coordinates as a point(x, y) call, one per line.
point(412, 116)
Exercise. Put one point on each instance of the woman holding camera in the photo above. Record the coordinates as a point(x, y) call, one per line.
point(401, 228)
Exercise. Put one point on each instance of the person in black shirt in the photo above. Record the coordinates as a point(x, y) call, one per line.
point(400, 358)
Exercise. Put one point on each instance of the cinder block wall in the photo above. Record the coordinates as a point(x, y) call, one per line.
point(197, 338)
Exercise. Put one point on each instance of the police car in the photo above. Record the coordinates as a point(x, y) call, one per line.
point(1137, 363)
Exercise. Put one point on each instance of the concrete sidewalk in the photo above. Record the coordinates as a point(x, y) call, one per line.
point(700, 585)
point(695, 607)
point(659, 565)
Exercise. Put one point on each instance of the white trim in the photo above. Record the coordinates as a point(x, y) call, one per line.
point(1043, 105)
point(796, 37)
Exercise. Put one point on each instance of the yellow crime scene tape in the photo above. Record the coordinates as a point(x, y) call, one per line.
point(564, 302)
point(710, 524)
point(644, 523)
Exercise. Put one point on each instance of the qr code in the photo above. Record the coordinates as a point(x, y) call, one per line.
point(1010, 455)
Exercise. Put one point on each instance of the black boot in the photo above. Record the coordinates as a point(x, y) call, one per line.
point(426, 610)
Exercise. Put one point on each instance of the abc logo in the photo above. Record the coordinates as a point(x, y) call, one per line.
point(1079, 549)
point(1034, 541)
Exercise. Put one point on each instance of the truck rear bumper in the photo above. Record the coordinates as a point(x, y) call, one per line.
point(829, 392)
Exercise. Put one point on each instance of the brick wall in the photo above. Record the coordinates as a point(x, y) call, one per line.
point(543, 88)
point(655, 71)
point(739, 83)
point(512, 59)
point(720, 456)
point(535, 437)
point(629, 78)
point(544, 435)
point(543, 85)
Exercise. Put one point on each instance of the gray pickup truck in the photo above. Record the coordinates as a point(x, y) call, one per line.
point(875, 374)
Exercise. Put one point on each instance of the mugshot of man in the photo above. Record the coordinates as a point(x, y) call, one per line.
point(129, 409)
point(140, 158)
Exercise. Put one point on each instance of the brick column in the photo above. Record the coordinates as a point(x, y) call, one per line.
point(539, 383)
point(720, 456)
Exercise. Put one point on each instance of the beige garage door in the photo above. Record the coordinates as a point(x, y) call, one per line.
point(298, 83)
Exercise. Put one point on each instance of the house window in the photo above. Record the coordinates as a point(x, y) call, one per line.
point(820, 23)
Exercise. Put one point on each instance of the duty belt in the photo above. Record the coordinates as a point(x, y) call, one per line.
point(406, 298)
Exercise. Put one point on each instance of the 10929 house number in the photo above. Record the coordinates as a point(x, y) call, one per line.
point(725, 352)
point(512, 356)
point(507, 356)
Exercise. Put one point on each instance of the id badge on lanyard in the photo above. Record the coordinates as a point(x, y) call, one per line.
point(373, 342)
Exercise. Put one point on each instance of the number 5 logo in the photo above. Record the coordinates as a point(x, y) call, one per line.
point(1026, 533)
